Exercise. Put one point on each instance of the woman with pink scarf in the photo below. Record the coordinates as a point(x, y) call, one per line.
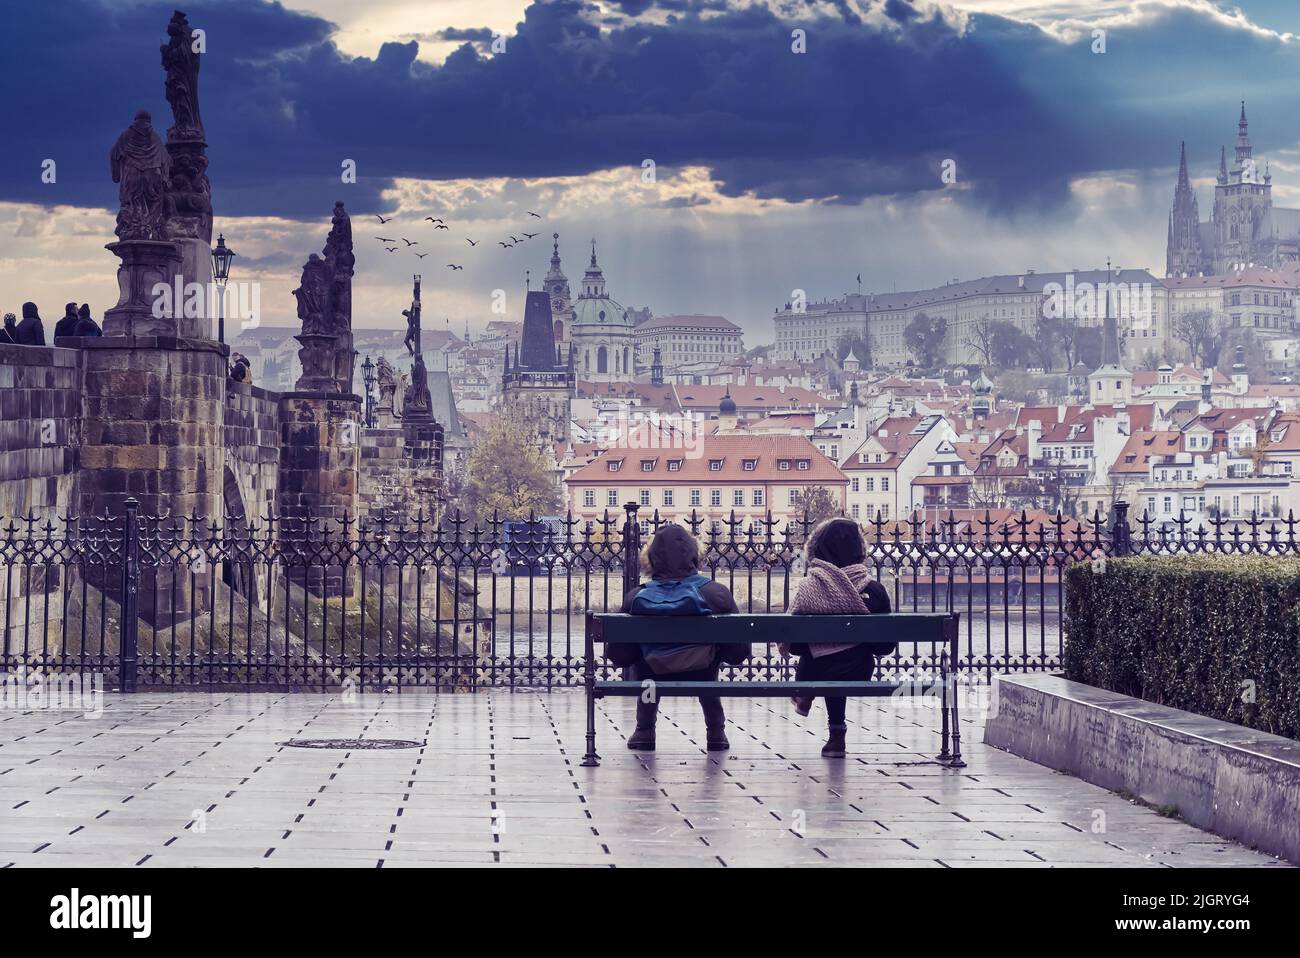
point(838, 583)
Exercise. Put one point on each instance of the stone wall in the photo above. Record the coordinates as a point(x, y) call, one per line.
point(40, 430)
point(401, 472)
point(252, 439)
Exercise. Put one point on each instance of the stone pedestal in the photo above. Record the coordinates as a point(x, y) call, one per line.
point(145, 264)
point(152, 430)
point(320, 439)
point(196, 267)
point(317, 359)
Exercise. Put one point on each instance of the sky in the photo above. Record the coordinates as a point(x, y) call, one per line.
point(773, 170)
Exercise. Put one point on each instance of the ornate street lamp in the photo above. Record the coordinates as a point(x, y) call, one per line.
point(368, 376)
point(221, 257)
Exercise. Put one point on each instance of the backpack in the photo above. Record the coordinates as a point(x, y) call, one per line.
point(674, 597)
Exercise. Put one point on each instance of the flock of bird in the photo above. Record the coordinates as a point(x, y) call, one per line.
point(438, 224)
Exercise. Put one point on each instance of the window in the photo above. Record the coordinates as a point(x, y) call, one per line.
point(884, 483)
point(674, 465)
point(715, 497)
point(715, 465)
point(644, 497)
point(615, 465)
point(792, 497)
point(855, 483)
point(737, 497)
point(611, 497)
point(695, 497)
point(758, 497)
point(869, 484)
point(749, 465)
point(854, 510)
point(803, 464)
point(668, 497)
point(783, 465)
point(588, 497)
point(648, 465)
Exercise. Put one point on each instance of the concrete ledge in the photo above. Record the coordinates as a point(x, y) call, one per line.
point(1226, 779)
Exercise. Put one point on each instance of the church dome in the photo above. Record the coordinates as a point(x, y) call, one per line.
point(602, 311)
point(728, 405)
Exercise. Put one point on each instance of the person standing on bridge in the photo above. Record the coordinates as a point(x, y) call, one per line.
point(838, 583)
point(675, 587)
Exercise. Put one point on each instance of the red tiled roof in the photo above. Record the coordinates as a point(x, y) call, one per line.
point(1133, 459)
point(731, 450)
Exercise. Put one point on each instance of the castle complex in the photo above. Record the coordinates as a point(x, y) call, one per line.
point(1245, 229)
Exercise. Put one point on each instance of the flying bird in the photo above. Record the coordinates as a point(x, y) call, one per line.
point(381, 219)
point(385, 239)
point(454, 266)
point(421, 255)
point(504, 245)
point(538, 215)
point(530, 235)
point(433, 219)
point(410, 242)
point(470, 241)
point(390, 249)
point(441, 226)
point(515, 239)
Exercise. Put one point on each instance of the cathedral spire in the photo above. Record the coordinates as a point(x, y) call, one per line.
point(1223, 166)
point(1243, 139)
point(1183, 183)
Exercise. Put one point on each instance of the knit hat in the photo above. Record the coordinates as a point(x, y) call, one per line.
point(837, 541)
point(673, 553)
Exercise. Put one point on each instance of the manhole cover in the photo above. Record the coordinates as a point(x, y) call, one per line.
point(351, 743)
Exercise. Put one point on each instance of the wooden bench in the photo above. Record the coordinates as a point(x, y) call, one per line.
point(939, 629)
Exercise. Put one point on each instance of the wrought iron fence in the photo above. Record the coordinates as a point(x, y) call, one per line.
point(158, 603)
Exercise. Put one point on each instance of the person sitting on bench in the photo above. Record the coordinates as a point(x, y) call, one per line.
point(675, 587)
point(838, 583)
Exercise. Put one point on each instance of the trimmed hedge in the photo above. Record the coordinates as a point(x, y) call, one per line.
point(1190, 632)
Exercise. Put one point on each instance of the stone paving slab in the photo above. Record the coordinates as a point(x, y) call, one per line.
point(204, 780)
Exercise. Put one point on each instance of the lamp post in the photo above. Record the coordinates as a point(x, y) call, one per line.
point(368, 376)
point(221, 257)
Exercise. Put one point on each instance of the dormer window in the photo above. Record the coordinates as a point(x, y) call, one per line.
point(648, 465)
point(749, 465)
point(783, 465)
point(674, 465)
point(615, 465)
point(715, 465)
point(803, 464)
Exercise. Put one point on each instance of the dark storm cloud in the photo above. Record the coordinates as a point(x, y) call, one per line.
point(865, 112)
point(470, 34)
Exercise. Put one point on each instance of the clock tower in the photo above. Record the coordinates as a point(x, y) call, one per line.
point(556, 285)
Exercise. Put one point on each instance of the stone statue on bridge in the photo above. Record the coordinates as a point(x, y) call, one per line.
point(180, 60)
point(325, 310)
point(141, 167)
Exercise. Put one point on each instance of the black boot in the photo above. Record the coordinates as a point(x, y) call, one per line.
point(642, 740)
point(802, 706)
point(834, 747)
point(717, 740)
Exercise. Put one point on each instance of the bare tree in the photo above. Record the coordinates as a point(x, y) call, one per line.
point(980, 340)
point(1202, 333)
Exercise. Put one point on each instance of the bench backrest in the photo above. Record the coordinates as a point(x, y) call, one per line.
point(884, 628)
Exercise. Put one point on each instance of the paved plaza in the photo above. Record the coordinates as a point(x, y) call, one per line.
point(195, 779)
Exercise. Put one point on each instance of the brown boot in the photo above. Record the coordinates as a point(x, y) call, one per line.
point(834, 747)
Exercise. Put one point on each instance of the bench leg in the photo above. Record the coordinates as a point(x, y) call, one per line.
point(591, 759)
point(944, 755)
point(955, 761)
